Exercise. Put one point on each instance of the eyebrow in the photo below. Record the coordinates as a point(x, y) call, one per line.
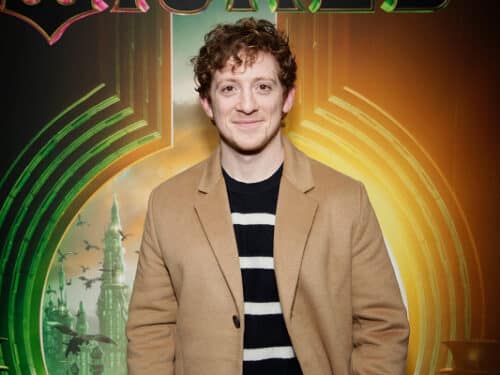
point(233, 80)
point(265, 79)
point(223, 80)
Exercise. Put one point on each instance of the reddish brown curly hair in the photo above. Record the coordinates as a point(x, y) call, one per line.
point(247, 37)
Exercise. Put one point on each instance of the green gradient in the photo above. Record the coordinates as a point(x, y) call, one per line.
point(274, 6)
point(33, 290)
point(25, 290)
point(46, 127)
point(390, 6)
point(315, 6)
point(93, 130)
point(47, 148)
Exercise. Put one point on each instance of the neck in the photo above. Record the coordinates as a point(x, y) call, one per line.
point(255, 167)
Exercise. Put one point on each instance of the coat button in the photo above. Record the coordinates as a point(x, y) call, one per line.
point(236, 321)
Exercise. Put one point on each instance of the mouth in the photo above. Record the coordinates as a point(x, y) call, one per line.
point(248, 122)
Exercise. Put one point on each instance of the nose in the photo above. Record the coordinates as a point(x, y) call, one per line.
point(247, 103)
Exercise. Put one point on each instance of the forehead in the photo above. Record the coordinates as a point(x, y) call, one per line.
point(261, 65)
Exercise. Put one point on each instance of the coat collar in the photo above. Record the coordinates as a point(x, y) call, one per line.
point(212, 173)
point(297, 169)
point(294, 217)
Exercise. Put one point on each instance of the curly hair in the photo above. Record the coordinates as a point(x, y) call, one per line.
point(245, 38)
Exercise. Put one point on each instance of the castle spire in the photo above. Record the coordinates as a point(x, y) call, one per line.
point(62, 283)
point(113, 299)
point(115, 214)
point(82, 325)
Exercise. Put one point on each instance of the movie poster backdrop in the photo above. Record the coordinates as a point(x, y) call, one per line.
point(98, 107)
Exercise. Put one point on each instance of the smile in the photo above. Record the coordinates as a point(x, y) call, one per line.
point(248, 122)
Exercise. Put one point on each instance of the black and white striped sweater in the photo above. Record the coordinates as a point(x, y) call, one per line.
point(267, 346)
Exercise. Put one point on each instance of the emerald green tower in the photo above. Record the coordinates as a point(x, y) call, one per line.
point(57, 312)
point(112, 305)
point(83, 360)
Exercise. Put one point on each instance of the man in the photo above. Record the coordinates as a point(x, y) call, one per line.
point(260, 260)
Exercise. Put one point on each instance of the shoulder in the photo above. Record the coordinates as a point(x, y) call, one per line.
point(324, 175)
point(321, 182)
point(335, 188)
point(178, 189)
point(342, 200)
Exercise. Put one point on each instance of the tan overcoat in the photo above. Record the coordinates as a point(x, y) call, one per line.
point(337, 288)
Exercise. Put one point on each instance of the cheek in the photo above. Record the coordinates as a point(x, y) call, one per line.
point(275, 108)
point(222, 109)
point(217, 113)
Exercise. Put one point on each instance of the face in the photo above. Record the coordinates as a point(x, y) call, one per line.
point(247, 105)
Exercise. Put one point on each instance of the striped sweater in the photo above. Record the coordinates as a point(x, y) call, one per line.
point(267, 348)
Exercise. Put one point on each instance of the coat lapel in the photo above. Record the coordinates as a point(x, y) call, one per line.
point(213, 211)
point(294, 218)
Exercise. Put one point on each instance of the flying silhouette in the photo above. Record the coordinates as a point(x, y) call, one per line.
point(88, 282)
point(80, 221)
point(76, 340)
point(123, 235)
point(89, 246)
point(63, 256)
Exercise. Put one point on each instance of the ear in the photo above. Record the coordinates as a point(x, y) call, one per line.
point(207, 107)
point(288, 102)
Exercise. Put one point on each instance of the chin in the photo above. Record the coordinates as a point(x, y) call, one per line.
point(246, 148)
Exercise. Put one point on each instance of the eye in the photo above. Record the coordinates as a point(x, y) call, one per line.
point(264, 87)
point(228, 89)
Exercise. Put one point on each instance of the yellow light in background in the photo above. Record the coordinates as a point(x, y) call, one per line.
point(418, 212)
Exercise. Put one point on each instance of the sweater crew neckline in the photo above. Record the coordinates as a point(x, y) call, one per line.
point(253, 187)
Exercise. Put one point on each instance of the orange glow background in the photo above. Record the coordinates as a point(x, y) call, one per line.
point(429, 84)
point(407, 104)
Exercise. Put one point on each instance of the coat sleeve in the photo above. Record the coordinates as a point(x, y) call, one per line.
point(153, 309)
point(380, 323)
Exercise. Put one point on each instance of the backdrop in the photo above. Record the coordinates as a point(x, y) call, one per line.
point(97, 111)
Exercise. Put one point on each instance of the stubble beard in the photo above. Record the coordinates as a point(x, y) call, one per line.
point(269, 137)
